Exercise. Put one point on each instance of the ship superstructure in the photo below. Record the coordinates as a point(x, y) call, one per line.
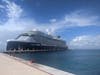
point(36, 40)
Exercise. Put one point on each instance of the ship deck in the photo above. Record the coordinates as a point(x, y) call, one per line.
point(25, 51)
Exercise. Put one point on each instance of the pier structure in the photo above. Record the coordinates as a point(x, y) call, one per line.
point(10, 65)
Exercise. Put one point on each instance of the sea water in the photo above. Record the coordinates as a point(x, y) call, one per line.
point(79, 62)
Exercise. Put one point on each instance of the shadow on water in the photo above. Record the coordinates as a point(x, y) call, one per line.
point(79, 62)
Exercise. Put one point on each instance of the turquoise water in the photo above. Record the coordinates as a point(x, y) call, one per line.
point(79, 62)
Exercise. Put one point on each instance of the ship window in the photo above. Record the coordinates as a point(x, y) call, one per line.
point(23, 37)
point(26, 38)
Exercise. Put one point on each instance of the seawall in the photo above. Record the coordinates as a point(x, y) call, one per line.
point(10, 65)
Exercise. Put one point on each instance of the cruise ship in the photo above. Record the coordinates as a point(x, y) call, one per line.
point(37, 41)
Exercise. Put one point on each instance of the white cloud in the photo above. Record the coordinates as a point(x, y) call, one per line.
point(76, 18)
point(16, 22)
point(53, 20)
point(81, 18)
point(85, 42)
point(14, 11)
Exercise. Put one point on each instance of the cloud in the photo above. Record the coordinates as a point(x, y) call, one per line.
point(14, 12)
point(82, 18)
point(85, 42)
point(16, 22)
point(78, 18)
point(53, 20)
point(73, 19)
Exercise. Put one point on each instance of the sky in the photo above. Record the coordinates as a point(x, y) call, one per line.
point(76, 21)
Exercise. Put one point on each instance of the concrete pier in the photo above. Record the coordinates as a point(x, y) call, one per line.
point(15, 66)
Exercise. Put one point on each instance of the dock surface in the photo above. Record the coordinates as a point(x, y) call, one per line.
point(10, 66)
